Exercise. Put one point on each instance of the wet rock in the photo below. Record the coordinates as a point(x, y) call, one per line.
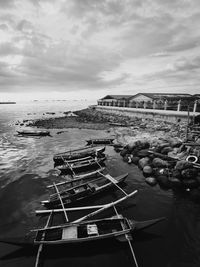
point(151, 181)
point(143, 162)
point(157, 162)
point(135, 160)
point(147, 171)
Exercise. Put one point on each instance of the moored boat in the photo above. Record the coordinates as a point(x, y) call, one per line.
point(77, 232)
point(81, 191)
point(78, 153)
point(33, 132)
point(75, 166)
point(95, 141)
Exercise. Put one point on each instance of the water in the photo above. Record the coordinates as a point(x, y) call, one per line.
point(26, 167)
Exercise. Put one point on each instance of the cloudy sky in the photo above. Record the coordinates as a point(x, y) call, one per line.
point(89, 48)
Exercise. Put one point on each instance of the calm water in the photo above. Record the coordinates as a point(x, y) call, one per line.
point(26, 167)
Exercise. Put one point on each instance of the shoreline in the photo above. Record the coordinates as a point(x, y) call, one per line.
point(132, 127)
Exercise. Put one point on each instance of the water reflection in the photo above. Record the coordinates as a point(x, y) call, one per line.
point(185, 232)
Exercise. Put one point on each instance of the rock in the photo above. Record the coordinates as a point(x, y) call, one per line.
point(182, 164)
point(131, 146)
point(163, 182)
point(147, 171)
point(143, 162)
point(135, 160)
point(143, 153)
point(124, 152)
point(166, 150)
point(157, 162)
point(176, 174)
point(151, 181)
point(128, 158)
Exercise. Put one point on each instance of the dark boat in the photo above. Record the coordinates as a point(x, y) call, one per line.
point(102, 141)
point(77, 232)
point(75, 166)
point(34, 132)
point(78, 153)
point(82, 191)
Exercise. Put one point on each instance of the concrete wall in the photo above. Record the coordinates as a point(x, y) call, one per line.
point(162, 115)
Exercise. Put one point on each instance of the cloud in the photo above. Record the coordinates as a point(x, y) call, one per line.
point(73, 44)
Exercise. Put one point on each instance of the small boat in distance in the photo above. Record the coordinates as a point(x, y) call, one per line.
point(34, 132)
point(106, 141)
point(70, 192)
point(77, 232)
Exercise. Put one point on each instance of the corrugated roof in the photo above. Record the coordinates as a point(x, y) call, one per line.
point(163, 95)
point(117, 97)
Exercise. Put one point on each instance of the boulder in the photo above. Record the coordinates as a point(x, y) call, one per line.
point(147, 171)
point(163, 182)
point(135, 160)
point(124, 152)
point(182, 164)
point(151, 181)
point(143, 162)
point(143, 153)
point(157, 162)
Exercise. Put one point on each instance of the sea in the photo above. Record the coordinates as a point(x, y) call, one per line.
point(26, 169)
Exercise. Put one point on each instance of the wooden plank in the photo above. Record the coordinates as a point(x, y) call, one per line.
point(40, 248)
point(106, 207)
point(66, 217)
point(110, 178)
point(41, 212)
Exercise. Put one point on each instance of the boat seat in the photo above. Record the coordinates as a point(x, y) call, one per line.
point(92, 229)
point(69, 233)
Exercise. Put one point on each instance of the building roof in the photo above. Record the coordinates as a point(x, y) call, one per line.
point(164, 96)
point(117, 97)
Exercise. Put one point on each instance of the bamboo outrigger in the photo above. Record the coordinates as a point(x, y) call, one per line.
point(71, 192)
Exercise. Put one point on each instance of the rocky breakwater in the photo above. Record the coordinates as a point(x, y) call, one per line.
point(86, 118)
point(171, 163)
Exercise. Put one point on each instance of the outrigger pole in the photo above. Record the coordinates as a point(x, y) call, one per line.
point(128, 238)
point(37, 262)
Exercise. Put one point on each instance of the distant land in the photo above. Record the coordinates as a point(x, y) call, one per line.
point(8, 102)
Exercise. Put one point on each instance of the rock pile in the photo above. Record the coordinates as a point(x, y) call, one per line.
point(170, 163)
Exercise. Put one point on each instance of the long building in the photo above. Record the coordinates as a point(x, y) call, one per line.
point(179, 102)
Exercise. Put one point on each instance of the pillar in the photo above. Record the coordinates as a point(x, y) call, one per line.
point(165, 105)
point(154, 104)
point(195, 106)
point(179, 105)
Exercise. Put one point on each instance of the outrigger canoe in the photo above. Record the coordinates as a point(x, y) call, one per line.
point(78, 232)
point(82, 191)
point(83, 164)
point(106, 141)
point(34, 132)
point(78, 153)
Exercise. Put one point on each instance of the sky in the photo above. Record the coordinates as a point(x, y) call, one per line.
point(77, 49)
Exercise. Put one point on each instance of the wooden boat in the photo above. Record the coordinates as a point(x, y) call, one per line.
point(78, 232)
point(78, 153)
point(34, 132)
point(82, 190)
point(75, 166)
point(100, 141)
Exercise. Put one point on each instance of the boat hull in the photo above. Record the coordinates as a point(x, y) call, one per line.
point(88, 193)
